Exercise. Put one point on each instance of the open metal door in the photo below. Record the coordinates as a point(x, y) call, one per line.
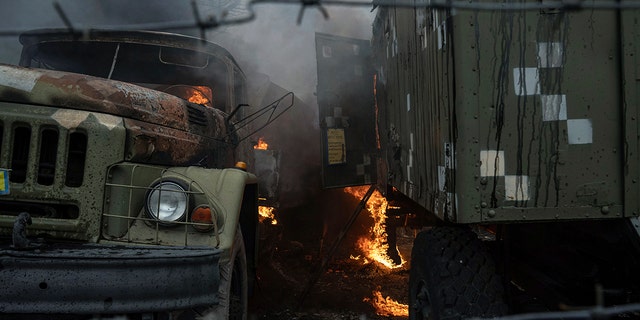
point(346, 111)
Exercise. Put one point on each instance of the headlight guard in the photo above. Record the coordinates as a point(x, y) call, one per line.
point(167, 201)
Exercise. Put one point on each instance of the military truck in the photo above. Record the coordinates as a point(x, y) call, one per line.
point(125, 188)
point(517, 126)
point(506, 133)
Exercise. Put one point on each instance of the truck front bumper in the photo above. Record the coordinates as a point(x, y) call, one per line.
point(106, 279)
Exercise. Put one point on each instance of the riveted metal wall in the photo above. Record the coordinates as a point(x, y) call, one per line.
point(415, 98)
point(630, 39)
point(510, 116)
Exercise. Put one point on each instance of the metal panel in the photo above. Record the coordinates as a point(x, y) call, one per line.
point(550, 113)
point(630, 40)
point(508, 116)
point(346, 111)
point(92, 279)
point(415, 98)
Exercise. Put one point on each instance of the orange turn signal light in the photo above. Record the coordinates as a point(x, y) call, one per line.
point(203, 217)
point(241, 165)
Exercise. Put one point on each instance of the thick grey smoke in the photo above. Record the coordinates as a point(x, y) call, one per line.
point(277, 46)
point(274, 43)
point(272, 47)
point(83, 14)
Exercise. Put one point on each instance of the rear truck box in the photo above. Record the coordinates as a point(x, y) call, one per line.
point(521, 125)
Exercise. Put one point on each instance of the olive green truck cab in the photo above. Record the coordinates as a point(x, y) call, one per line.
point(514, 126)
point(120, 191)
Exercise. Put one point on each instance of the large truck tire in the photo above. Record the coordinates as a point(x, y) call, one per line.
point(453, 276)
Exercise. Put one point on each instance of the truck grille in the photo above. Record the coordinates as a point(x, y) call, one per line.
point(57, 149)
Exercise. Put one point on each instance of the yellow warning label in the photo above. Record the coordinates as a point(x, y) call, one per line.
point(336, 146)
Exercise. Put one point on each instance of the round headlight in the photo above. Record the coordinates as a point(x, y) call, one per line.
point(167, 201)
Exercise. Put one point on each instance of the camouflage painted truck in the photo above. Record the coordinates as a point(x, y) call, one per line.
point(520, 128)
point(119, 191)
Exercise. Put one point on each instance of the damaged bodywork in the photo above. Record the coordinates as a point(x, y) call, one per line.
point(119, 157)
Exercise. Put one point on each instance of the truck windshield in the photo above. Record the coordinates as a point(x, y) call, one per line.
point(190, 75)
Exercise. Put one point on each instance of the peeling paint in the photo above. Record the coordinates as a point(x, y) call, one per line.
point(554, 107)
point(442, 178)
point(18, 78)
point(550, 54)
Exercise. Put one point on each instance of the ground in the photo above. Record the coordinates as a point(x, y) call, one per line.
point(290, 260)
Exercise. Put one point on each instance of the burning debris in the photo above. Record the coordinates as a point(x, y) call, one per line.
point(261, 144)
point(269, 173)
point(291, 253)
point(266, 214)
point(267, 168)
point(386, 306)
point(375, 246)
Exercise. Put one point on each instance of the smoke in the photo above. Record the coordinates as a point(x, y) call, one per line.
point(17, 15)
point(274, 44)
point(271, 48)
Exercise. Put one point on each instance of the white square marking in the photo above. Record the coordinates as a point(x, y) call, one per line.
point(554, 107)
point(580, 131)
point(366, 159)
point(526, 81)
point(492, 163)
point(326, 52)
point(442, 177)
point(516, 188)
point(550, 54)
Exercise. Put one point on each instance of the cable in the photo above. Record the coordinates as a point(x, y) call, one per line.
point(566, 5)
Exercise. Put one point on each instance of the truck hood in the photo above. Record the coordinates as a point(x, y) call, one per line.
point(83, 92)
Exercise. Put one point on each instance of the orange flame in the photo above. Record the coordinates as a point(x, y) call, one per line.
point(267, 213)
point(199, 95)
point(375, 247)
point(262, 145)
point(386, 306)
